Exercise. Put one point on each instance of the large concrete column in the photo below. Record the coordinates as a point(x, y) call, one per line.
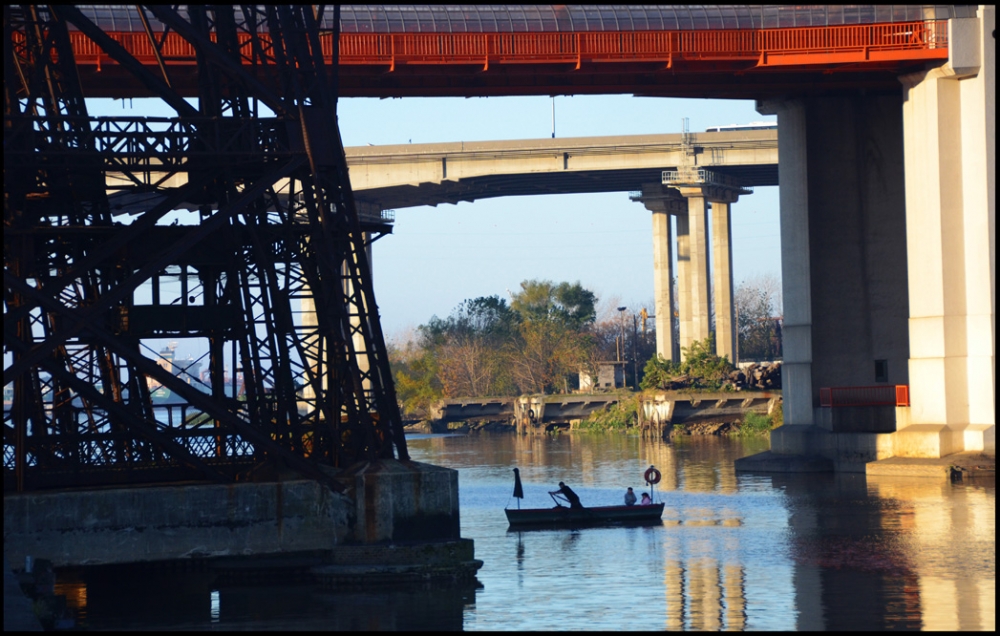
point(793, 196)
point(694, 285)
point(663, 275)
point(663, 203)
point(722, 282)
point(950, 145)
point(683, 280)
point(844, 254)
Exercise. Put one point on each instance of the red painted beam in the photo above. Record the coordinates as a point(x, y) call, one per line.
point(397, 64)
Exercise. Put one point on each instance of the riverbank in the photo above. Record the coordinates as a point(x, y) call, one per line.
point(504, 426)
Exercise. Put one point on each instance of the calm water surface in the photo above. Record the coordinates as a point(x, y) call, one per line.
point(754, 552)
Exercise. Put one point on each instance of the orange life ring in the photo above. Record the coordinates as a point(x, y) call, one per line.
point(652, 476)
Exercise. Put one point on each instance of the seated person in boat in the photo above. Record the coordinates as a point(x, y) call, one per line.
point(567, 492)
point(630, 497)
point(646, 501)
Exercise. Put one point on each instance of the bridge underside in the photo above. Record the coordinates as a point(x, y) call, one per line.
point(528, 184)
point(704, 80)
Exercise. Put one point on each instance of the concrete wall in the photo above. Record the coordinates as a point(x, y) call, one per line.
point(403, 501)
point(133, 525)
point(387, 501)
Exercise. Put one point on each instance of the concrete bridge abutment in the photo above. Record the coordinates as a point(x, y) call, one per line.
point(389, 510)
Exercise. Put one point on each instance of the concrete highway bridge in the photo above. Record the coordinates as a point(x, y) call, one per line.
point(886, 145)
point(694, 177)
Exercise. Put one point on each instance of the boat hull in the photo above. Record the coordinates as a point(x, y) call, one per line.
point(563, 516)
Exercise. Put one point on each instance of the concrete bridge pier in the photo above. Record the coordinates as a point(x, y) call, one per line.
point(391, 513)
point(722, 282)
point(663, 203)
point(307, 308)
point(949, 124)
point(699, 292)
point(888, 261)
point(843, 229)
point(695, 202)
point(693, 284)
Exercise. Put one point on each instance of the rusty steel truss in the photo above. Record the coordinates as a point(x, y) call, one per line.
point(95, 277)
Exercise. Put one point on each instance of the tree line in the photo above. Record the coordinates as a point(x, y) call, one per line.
point(539, 342)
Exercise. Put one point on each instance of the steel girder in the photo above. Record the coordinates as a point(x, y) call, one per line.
point(271, 230)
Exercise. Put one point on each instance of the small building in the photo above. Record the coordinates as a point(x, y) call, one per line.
point(610, 375)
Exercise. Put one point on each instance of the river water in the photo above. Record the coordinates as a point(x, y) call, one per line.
point(743, 552)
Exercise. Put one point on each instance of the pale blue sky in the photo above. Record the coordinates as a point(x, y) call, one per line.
point(437, 257)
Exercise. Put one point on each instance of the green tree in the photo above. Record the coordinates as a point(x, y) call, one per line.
point(658, 372)
point(554, 341)
point(469, 347)
point(568, 304)
point(415, 372)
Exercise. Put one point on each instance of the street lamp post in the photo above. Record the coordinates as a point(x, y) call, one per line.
point(635, 352)
point(621, 323)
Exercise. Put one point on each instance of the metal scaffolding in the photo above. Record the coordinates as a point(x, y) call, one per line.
point(95, 277)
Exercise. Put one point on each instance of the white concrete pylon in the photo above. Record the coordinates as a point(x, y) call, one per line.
point(949, 133)
point(663, 203)
point(796, 291)
point(722, 281)
point(699, 284)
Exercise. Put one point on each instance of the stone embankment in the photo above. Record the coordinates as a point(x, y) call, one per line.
point(461, 428)
point(662, 413)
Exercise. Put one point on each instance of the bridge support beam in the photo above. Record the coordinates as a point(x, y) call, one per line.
point(664, 203)
point(693, 284)
point(950, 145)
point(722, 282)
point(844, 258)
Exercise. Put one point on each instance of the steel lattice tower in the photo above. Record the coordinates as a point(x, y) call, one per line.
point(86, 286)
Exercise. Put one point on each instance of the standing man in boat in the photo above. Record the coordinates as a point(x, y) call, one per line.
point(567, 492)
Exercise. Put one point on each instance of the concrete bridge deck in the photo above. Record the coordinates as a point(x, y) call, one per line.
point(408, 175)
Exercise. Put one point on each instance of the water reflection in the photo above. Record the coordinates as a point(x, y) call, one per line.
point(734, 552)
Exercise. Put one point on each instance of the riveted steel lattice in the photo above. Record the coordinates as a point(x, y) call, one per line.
point(267, 279)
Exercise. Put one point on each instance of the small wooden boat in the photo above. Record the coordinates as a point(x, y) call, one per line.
point(566, 516)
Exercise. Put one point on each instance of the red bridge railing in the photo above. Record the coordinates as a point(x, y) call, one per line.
point(880, 395)
point(763, 47)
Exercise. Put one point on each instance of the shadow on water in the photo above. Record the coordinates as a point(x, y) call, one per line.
point(138, 597)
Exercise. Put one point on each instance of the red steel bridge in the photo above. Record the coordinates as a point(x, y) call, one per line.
point(705, 51)
point(86, 290)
